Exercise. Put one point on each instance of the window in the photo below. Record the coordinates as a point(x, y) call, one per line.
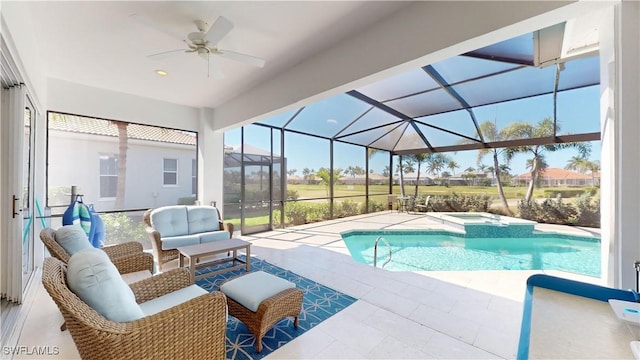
point(170, 173)
point(76, 140)
point(108, 176)
point(194, 176)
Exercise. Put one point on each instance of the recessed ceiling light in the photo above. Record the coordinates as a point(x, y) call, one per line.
point(161, 73)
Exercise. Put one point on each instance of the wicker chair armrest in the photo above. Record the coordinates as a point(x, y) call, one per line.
point(199, 324)
point(133, 262)
point(161, 284)
point(126, 248)
point(154, 236)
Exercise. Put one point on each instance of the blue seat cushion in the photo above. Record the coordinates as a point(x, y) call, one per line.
point(170, 300)
point(72, 238)
point(95, 280)
point(173, 242)
point(202, 219)
point(214, 236)
point(251, 289)
point(170, 220)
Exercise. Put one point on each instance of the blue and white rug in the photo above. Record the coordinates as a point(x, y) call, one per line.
point(318, 304)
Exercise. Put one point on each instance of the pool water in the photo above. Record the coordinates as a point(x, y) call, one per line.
point(437, 250)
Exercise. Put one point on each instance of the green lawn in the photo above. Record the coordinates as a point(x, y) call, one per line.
point(378, 193)
point(319, 191)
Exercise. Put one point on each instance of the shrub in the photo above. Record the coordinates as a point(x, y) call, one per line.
point(568, 193)
point(119, 227)
point(584, 211)
point(187, 200)
point(295, 213)
point(460, 203)
point(374, 206)
point(529, 210)
point(345, 208)
point(588, 211)
point(557, 212)
point(292, 195)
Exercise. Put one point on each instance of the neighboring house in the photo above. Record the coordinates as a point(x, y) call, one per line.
point(411, 178)
point(555, 177)
point(294, 179)
point(475, 178)
point(83, 152)
point(374, 179)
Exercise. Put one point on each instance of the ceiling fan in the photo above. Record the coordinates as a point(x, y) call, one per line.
point(202, 42)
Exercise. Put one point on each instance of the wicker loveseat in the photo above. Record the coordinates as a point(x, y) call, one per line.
point(170, 227)
point(127, 257)
point(194, 329)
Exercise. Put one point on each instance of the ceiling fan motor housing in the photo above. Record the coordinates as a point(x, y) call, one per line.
point(197, 38)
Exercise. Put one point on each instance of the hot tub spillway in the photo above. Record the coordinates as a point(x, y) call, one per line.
point(485, 225)
point(498, 230)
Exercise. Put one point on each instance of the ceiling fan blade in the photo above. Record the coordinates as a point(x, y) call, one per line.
point(247, 59)
point(218, 30)
point(165, 54)
point(141, 19)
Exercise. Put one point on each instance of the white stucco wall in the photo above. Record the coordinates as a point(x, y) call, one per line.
point(74, 160)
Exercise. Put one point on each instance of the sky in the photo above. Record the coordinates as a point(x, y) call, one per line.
point(577, 112)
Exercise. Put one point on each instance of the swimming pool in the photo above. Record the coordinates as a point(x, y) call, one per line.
point(438, 250)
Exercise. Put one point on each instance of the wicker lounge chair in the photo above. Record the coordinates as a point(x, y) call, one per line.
point(127, 257)
point(195, 329)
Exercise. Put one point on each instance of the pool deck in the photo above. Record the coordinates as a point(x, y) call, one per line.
point(417, 315)
point(434, 314)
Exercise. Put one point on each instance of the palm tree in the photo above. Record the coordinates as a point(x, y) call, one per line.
point(452, 165)
point(470, 169)
point(419, 159)
point(577, 163)
point(292, 172)
point(403, 168)
point(593, 166)
point(350, 170)
point(325, 177)
point(544, 128)
point(582, 165)
point(307, 174)
point(123, 146)
point(386, 171)
point(539, 163)
point(491, 133)
point(436, 163)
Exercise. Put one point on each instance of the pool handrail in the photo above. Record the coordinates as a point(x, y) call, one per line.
point(375, 252)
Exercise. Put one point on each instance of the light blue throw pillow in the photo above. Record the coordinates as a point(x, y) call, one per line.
point(72, 238)
point(97, 282)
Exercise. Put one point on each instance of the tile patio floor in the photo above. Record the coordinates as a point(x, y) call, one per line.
point(398, 315)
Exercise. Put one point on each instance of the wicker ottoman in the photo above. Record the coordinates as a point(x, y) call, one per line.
point(260, 300)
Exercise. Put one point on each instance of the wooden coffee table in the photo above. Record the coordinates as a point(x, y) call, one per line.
point(193, 252)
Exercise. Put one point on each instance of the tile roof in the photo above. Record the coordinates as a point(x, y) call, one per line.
point(87, 125)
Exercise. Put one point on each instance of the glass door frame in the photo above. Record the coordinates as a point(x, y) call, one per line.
point(28, 203)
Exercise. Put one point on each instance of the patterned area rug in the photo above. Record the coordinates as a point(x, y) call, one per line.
point(318, 304)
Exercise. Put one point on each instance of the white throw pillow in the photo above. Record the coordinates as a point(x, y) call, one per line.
point(95, 280)
point(72, 238)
